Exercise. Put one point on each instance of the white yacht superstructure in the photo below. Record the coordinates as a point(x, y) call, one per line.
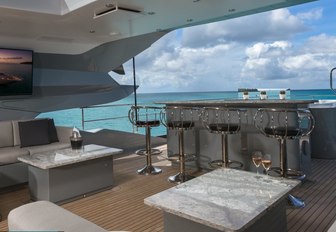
point(76, 43)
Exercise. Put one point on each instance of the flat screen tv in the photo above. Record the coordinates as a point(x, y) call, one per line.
point(16, 72)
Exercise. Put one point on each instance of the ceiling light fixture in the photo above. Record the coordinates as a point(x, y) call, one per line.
point(109, 8)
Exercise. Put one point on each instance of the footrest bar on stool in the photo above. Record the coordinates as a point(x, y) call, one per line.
point(231, 164)
point(295, 174)
point(149, 170)
point(144, 152)
point(291, 173)
point(187, 158)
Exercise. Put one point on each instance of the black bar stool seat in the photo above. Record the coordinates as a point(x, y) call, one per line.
point(185, 125)
point(224, 128)
point(278, 131)
point(153, 123)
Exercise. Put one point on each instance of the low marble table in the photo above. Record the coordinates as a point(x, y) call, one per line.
point(61, 175)
point(225, 200)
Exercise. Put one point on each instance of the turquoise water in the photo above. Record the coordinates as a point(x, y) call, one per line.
point(73, 117)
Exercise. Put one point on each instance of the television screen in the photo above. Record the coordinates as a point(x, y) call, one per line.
point(16, 72)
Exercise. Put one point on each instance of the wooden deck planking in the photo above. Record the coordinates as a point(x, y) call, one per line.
point(122, 207)
point(319, 195)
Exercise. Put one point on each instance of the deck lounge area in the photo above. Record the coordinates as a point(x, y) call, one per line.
point(123, 208)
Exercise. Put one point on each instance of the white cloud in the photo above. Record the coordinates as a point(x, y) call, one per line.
point(263, 49)
point(273, 25)
point(322, 43)
point(251, 51)
point(313, 14)
point(279, 60)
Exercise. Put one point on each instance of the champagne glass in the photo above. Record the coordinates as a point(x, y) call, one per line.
point(256, 159)
point(266, 162)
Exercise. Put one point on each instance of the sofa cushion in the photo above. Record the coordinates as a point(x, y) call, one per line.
point(49, 147)
point(35, 132)
point(52, 131)
point(46, 216)
point(6, 134)
point(9, 155)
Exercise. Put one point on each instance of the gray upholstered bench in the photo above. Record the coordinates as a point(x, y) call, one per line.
point(46, 216)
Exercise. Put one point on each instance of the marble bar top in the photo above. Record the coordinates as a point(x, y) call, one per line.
point(52, 159)
point(251, 103)
point(224, 199)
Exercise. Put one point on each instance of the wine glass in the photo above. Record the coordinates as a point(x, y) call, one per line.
point(267, 162)
point(256, 159)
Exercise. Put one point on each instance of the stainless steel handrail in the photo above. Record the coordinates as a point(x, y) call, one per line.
point(106, 118)
point(331, 80)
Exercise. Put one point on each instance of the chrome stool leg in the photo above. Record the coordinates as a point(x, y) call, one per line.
point(149, 169)
point(182, 176)
point(225, 162)
point(292, 200)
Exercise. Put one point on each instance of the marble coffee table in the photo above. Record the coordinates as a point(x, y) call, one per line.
point(225, 200)
point(62, 175)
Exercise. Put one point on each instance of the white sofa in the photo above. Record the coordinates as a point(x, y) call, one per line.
point(11, 170)
point(46, 216)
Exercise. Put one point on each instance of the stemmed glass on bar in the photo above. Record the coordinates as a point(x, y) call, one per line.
point(256, 159)
point(266, 162)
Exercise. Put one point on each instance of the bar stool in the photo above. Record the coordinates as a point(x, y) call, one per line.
point(146, 117)
point(180, 119)
point(224, 121)
point(284, 124)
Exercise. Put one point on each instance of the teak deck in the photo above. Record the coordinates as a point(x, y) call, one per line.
point(122, 207)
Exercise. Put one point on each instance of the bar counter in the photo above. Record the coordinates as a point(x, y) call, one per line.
point(207, 146)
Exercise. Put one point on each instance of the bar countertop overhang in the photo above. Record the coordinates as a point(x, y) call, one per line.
point(252, 103)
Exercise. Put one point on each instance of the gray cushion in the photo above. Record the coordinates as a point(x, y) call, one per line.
point(35, 132)
point(46, 216)
point(6, 134)
point(9, 155)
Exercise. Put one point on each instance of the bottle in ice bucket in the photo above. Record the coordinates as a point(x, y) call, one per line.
point(76, 139)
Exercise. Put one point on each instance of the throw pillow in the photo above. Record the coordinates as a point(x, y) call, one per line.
point(52, 131)
point(33, 133)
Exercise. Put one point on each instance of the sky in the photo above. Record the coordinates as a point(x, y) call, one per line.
point(286, 48)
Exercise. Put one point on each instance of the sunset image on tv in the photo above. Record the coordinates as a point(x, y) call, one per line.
point(16, 72)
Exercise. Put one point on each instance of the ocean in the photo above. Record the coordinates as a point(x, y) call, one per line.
point(116, 113)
